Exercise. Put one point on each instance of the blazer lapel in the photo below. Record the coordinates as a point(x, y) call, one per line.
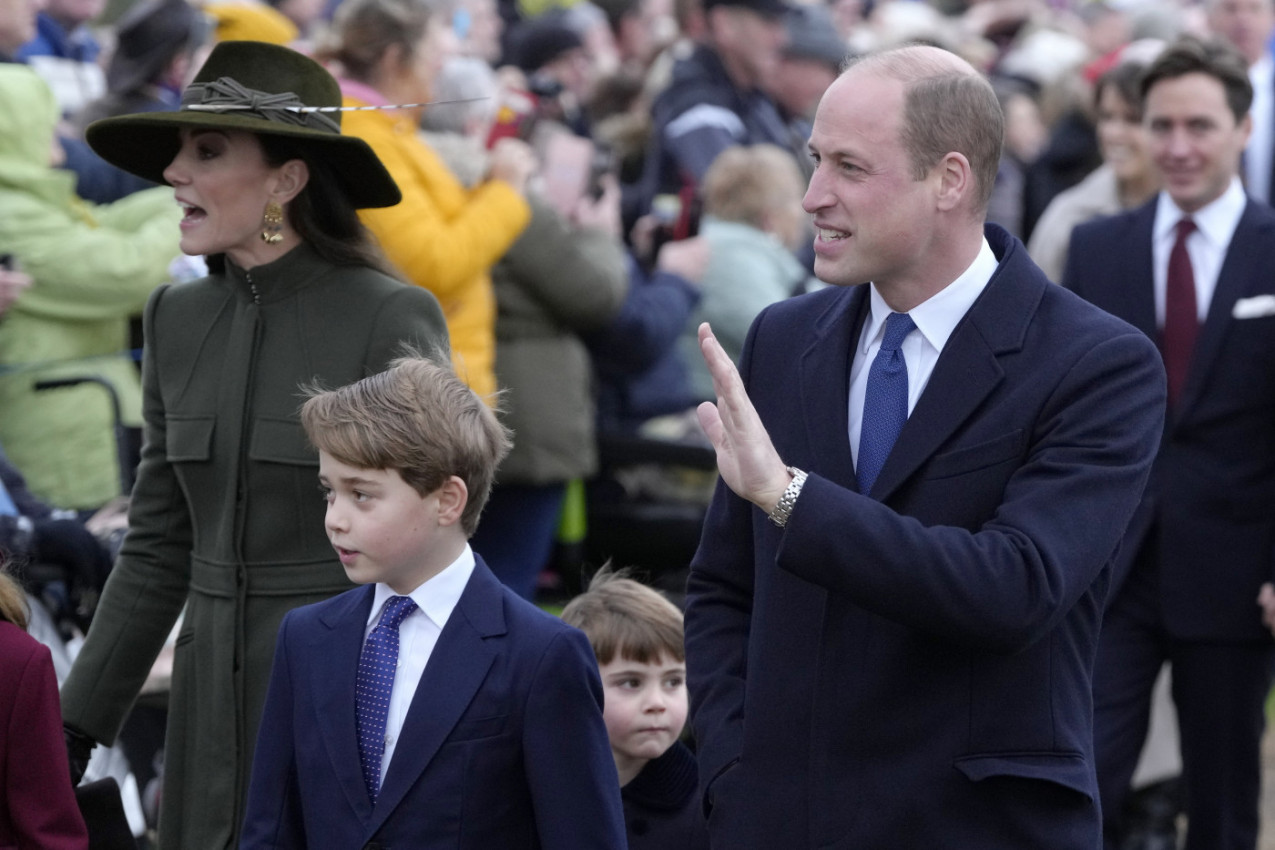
point(967, 370)
point(1134, 298)
point(338, 650)
point(824, 373)
point(1239, 270)
point(456, 670)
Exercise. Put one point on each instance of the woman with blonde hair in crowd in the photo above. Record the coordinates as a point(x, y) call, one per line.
point(37, 804)
point(442, 236)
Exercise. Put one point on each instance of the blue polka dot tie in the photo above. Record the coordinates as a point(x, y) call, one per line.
point(885, 402)
point(372, 689)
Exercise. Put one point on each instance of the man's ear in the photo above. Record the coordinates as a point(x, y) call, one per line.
point(291, 178)
point(955, 181)
point(453, 495)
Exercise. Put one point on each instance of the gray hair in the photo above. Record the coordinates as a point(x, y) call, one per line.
point(472, 83)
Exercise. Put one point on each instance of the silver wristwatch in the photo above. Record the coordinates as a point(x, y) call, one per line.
point(783, 509)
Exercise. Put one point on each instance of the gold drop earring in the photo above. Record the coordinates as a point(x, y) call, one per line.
point(272, 223)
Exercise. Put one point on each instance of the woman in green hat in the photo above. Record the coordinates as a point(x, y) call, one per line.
point(226, 518)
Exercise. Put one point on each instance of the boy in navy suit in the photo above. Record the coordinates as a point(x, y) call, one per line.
point(431, 707)
point(637, 637)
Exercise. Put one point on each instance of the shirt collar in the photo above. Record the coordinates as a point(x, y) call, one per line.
point(438, 596)
point(1216, 220)
point(938, 315)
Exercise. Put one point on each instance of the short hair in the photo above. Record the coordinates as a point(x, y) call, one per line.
point(363, 30)
point(1213, 58)
point(626, 619)
point(465, 88)
point(1125, 79)
point(417, 418)
point(947, 107)
point(747, 181)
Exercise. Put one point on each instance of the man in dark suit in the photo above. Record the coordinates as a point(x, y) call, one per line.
point(1192, 269)
point(890, 639)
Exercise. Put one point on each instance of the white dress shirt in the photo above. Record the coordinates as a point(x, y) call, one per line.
point(1215, 224)
point(1261, 144)
point(935, 319)
point(417, 636)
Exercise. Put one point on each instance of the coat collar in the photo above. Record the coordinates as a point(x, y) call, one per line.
point(966, 372)
point(277, 280)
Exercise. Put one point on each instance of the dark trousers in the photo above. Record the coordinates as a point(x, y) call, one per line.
point(1219, 690)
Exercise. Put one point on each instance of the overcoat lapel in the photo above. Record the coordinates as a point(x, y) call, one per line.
point(968, 370)
point(825, 374)
point(338, 649)
point(456, 670)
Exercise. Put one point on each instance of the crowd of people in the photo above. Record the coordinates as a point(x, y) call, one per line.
point(965, 297)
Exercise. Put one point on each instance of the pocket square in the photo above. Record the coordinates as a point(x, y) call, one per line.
point(1254, 308)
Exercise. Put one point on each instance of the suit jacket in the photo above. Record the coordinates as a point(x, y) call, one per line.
point(911, 668)
point(1213, 484)
point(37, 805)
point(503, 746)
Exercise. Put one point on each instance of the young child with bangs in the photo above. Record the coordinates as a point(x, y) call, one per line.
point(636, 636)
point(431, 708)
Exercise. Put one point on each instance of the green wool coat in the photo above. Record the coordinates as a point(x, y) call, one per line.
point(226, 517)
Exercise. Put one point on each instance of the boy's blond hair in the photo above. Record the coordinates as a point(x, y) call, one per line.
point(625, 618)
point(418, 418)
point(746, 182)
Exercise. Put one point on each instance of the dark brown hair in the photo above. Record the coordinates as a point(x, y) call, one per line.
point(1213, 58)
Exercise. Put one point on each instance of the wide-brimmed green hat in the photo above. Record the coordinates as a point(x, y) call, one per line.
point(258, 87)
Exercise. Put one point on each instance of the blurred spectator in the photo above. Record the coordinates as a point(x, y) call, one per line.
point(64, 52)
point(246, 20)
point(1250, 26)
point(714, 100)
point(1125, 180)
point(155, 46)
point(640, 28)
point(641, 373)
point(479, 28)
point(442, 236)
point(17, 26)
point(559, 72)
point(753, 221)
point(93, 267)
point(37, 806)
point(812, 57)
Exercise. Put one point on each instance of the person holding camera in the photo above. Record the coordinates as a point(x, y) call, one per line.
point(442, 236)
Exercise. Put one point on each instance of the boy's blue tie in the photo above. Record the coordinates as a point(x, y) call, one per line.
point(885, 402)
point(372, 689)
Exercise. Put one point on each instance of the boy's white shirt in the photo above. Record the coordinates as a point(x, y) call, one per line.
point(417, 636)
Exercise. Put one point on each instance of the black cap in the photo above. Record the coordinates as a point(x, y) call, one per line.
point(813, 35)
point(149, 36)
point(540, 40)
point(767, 8)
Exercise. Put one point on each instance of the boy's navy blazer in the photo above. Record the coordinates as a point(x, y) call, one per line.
point(504, 745)
point(1213, 484)
point(913, 669)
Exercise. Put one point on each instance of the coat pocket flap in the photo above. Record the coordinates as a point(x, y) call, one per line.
point(1069, 770)
point(188, 438)
point(281, 441)
point(972, 458)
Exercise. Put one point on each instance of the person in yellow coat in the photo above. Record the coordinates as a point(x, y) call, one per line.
point(442, 236)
